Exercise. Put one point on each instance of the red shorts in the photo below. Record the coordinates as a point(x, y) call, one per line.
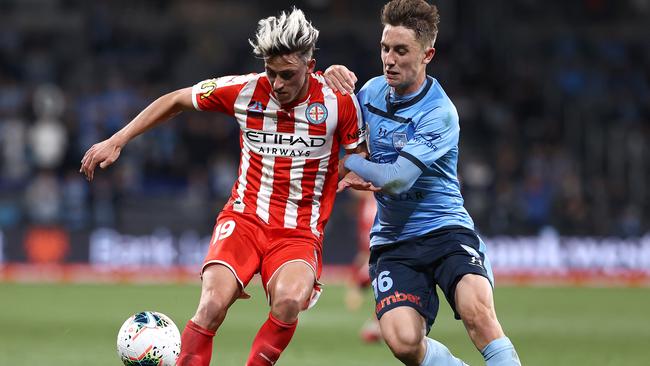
point(246, 245)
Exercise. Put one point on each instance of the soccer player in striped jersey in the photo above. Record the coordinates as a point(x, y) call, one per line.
point(292, 126)
point(422, 236)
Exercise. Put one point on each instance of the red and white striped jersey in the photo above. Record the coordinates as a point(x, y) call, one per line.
point(288, 169)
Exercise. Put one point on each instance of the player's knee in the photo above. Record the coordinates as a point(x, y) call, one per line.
point(288, 298)
point(404, 342)
point(404, 352)
point(286, 307)
point(478, 315)
point(211, 312)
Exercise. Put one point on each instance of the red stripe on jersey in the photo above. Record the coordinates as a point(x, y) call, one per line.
point(329, 188)
point(280, 194)
point(257, 104)
point(233, 191)
point(286, 121)
point(305, 203)
point(348, 133)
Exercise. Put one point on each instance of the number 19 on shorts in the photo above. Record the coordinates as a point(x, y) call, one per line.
point(223, 231)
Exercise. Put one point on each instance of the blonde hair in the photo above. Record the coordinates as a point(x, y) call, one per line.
point(285, 34)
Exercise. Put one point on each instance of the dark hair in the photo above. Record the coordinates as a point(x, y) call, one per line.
point(418, 15)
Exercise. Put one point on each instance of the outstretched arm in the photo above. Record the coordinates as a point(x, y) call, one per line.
point(162, 109)
point(393, 178)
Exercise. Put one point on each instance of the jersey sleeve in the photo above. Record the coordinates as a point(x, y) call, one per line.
point(351, 129)
point(435, 134)
point(219, 94)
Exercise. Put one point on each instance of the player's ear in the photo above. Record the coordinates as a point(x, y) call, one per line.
point(310, 65)
point(428, 55)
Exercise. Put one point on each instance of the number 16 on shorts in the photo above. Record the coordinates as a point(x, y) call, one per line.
point(382, 283)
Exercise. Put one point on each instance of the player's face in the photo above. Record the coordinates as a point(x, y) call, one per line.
point(404, 59)
point(288, 75)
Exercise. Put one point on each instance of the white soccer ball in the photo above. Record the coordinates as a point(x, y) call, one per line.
point(148, 338)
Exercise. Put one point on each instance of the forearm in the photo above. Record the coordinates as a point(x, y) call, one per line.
point(159, 111)
point(394, 178)
point(361, 149)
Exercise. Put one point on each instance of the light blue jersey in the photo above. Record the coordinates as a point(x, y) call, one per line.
point(423, 129)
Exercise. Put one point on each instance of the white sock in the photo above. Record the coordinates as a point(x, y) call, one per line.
point(500, 352)
point(439, 355)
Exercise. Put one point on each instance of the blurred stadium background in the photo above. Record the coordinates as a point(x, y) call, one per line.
point(554, 101)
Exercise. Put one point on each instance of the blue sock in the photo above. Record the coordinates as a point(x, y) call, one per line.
point(500, 352)
point(439, 355)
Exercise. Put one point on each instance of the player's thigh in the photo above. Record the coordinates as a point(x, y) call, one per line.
point(398, 281)
point(293, 281)
point(219, 287)
point(235, 245)
point(475, 305)
point(473, 297)
point(293, 265)
point(465, 256)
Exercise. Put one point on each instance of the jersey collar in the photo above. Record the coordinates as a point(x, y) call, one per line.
point(394, 107)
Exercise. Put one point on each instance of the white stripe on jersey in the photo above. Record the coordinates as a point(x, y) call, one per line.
point(318, 193)
point(266, 188)
point(332, 106)
point(268, 162)
point(295, 193)
point(239, 204)
point(241, 104)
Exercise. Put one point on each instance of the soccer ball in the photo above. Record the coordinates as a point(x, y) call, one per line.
point(148, 339)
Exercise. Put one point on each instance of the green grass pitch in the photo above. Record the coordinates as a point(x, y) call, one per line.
point(77, 325)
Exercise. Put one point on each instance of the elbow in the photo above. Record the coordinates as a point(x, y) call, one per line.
point(180, 100)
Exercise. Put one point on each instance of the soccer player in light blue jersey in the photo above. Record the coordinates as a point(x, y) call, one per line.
point(422, 235)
